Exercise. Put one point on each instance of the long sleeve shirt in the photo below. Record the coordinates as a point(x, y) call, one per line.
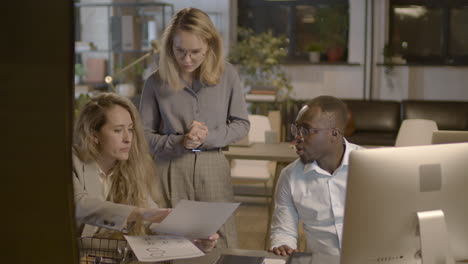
point(92, 210)
point(168, 113)
point(308, 193)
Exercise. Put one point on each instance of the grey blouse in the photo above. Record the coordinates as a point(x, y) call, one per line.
point(167, 113)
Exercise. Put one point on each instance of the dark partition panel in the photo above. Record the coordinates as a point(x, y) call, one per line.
point(36, 95)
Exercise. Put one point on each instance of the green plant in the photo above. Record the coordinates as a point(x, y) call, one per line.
point(130, 75)
point(80, 102)
point(389, 69)
point(79, 70)
point(388, 53)
point(332, 22)
point(258, 57)
point(314, 47)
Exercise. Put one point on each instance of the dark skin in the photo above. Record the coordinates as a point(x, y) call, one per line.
point(325, 145)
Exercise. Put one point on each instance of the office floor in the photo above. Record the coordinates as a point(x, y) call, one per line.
point(252, 219)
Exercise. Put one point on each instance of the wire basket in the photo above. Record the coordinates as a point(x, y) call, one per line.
point(95, 250)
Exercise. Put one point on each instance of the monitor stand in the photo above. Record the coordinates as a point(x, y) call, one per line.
point(435, 248)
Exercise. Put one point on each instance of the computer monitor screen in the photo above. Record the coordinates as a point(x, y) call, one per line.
point(449, 136)
point(386, 189)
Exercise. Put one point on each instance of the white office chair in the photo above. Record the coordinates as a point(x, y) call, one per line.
point(244, 172)
point(254, 171)
point(415, 132)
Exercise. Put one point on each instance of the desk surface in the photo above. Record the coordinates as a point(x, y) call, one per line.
point(212, 256)
point(282, 152)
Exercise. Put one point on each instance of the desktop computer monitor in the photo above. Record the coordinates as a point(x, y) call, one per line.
point(396, 196)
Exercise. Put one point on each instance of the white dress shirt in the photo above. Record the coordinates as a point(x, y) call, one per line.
point(105, 180)
point(308, 193)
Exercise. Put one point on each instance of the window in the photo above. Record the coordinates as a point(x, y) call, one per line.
point(430, 31)
point(323, 22)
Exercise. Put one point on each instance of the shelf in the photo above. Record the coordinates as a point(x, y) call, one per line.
point(112, 51)
point(118, 34)
point(121, 4)
point(260, 97)
point(414, 64)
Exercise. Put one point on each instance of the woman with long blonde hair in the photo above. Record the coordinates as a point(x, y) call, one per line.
point(114, 179)
point(113, 173)
point(191, 107)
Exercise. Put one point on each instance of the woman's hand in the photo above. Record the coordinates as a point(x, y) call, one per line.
point(153, 215)
point(206, 245)
point(196, 136)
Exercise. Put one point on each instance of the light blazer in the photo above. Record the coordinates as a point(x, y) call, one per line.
point(91, 207)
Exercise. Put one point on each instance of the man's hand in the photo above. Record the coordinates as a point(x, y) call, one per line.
point(206, 245)
point(283, 250)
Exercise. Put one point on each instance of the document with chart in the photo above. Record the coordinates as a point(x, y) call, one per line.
point(160, 248)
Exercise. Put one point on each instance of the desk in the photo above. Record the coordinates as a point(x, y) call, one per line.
point(281, 152)
point(212, 256)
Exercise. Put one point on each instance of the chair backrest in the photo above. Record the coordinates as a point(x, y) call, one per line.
point(448, 115)
point(449, 136)
point(415, 132)
point(258, 125)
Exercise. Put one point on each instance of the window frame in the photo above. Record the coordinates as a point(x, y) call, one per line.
point(446, 6)
point(291, 33)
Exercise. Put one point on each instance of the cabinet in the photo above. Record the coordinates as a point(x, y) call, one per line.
point(111, 35)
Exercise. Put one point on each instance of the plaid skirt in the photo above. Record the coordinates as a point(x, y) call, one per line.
point(199, 176)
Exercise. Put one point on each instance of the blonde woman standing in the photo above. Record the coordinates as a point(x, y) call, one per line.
point(191, 108)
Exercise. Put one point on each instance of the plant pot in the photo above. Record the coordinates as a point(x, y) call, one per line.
point(314, 56)
point(335, 54)
point(126, 89)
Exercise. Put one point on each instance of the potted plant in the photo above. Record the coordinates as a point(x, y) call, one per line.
point(391, 56)
point(314, 50)
point(79, 73)
point(258, 58)
point(333, 25)
point(129, 80)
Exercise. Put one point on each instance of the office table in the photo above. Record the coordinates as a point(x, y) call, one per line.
point(281, 152)
point(212, 256)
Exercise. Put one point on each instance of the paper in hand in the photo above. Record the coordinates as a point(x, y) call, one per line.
point(195, 219)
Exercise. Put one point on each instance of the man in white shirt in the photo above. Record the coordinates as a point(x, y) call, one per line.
point(313, 188)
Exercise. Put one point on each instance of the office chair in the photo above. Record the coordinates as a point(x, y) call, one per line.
point(254, 171)
point(415, 132)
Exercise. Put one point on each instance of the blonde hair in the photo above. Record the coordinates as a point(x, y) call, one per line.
point(197, 22)
point(132, 179)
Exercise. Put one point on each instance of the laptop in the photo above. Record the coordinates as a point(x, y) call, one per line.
point(449, 136)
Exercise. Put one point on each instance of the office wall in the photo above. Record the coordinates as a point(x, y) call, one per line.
point(35, 111)
point(413, 82)
point(338, 80)
point(403, 82)
point(429, 83)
